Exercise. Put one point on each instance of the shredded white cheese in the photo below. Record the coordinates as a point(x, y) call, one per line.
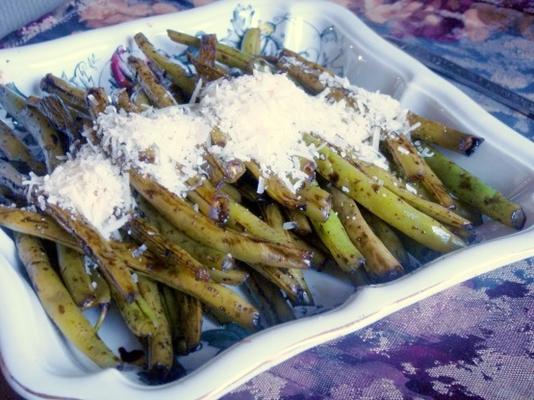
point(403, 150)
point(411, 189)
point(166, 144)
point(138, 252)
point(289, 225)
point(264, 116)
point(196, 92)
point(5, 119)
point(261, 185)
point(382, 112)
point(90, 186)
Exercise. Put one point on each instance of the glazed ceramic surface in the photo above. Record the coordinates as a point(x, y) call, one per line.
point(40, 364)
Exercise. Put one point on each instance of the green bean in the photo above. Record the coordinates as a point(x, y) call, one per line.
point(190, 316)
point(115, 271)
point(303, 71)
point(335, 238)
point(102, 291)
point(200, 228)
point(474, 192)
point(16, 151)
point(208, 256)
point(145, 233)
point(273, 216)
point(170, 303)
point(59, 305)
point(12, 180)
point(35, 123)
point(406, 155)
point(135, 318)
point(302, 223)
point(123, 102)
point(388, 237)
point(285, 280)
point(317, 202)
point(233, 277)
point(216, 208)
point(225, 54)
point(384, 203)
point(174, 72)
point(441, 135)
point(102, 296)
point(251, 42)
point(277, 190)
point(311, 199)
point(207, 52)
point(70, 94)
point(36, 224)
point(433, 210)
point(71, 263)
point(139, 97)
point(240, 216)
point(224, 171)
point(159, 344)
point(205, 62)
point(272, 305)
point(97, 101)
point(212, 294)
point(380, 264)
point(61, 117)
point(75, 277)
point(230, 191)
point(157, 94)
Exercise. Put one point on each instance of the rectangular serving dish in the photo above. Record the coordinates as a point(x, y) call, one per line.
point(39, 363)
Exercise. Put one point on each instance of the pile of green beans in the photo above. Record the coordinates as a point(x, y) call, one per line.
point(366, 221)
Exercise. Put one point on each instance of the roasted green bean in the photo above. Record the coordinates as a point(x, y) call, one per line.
point(380, 264)
point(474, 192)
point(59, 305)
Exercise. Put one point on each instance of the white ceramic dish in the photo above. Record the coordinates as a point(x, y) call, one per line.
point(40, 364)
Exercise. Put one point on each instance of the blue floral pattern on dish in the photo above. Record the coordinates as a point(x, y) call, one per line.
point(85, 73)
point(327, 48)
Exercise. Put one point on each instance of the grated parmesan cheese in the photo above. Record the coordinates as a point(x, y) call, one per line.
point(138, 252)
point(166, 144)
point(196, 92)
point(91, 186)
point(411, 189)
point(289, 225)
point(261, 185)
point(264, 116)
point(403, 150)
point(383, 112)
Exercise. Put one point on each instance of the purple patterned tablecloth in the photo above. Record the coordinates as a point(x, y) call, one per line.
point(473, 341)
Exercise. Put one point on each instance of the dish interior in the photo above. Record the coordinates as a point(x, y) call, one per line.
point(316, 35)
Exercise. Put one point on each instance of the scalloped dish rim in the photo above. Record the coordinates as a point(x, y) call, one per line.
point(33, 379)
